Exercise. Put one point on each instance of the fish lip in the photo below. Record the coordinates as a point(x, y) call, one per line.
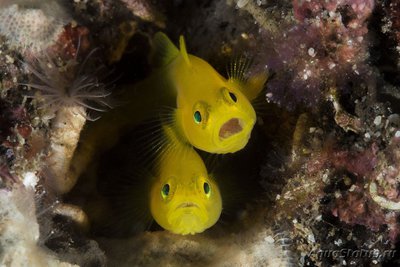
point(187, 205)
point(231, 127)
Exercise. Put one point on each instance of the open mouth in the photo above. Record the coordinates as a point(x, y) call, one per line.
point(187, 205)
point(229, 128)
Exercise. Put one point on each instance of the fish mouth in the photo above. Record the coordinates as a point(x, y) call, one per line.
point(185, 205)
point(229, 128)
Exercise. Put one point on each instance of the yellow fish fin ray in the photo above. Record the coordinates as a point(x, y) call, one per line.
point(238, 68)
point(174, 144)
point(184, 53)
point(170, 152)
point(237, 74)
point(167, 116)
point(153, 148)
point(145, 139)
point(153, 139)
point(164, 51)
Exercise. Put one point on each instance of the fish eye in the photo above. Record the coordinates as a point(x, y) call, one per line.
point(197, 117)
point(207, 189)
point(200, 113)
point(233, 97)
point(228, 96)
point(165, 191)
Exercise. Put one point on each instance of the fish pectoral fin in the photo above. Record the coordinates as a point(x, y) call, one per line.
point(254, 85)
point(164, 51)
point(250, 87)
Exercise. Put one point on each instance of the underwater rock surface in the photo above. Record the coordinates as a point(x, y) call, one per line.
point(317, 185)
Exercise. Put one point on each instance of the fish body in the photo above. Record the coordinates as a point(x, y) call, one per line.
point(184, 199)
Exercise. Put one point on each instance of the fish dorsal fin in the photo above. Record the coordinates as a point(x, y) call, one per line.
point(183, 50)
point(175, 142)
point(164, 51)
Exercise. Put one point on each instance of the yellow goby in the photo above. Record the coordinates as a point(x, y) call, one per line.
point(213, 113)
point(184, 199)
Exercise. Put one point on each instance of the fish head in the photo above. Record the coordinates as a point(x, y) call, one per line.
point(213, 112)
point(185, 200)
point(219, 119)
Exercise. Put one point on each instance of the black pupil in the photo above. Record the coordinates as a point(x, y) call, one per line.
point(206, 188)
point(197, 116)
point(233, 97)
point(165, 189)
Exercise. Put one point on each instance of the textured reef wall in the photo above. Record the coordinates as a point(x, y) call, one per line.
point(318, 183)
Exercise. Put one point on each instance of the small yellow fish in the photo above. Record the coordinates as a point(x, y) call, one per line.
point(214, 113)
point(174, 189)
point(183, 198)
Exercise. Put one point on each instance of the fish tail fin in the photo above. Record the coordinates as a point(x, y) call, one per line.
point(164, 51)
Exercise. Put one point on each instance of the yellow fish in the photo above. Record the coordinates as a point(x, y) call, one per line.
point(214, 113)
point(175, 190)
point(183, 198)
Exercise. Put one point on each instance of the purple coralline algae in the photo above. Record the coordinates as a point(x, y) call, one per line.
point(325, 45)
